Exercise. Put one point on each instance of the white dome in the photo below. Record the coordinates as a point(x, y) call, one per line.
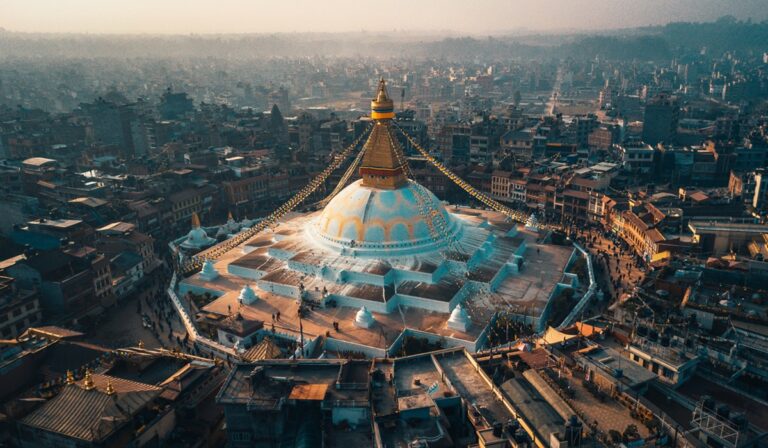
point(459, 319)
point(364, 318)
point(380, 222)
point(247, 296)
point(197, 238)
point(209, 272)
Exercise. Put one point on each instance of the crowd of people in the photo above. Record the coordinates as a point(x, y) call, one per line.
point(622, 269)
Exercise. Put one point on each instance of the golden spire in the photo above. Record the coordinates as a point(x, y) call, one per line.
point(382, 107)
point(88, 381)
point(109, 390)
point(383, 164)
point(70, 377)
point(195, 220)
point(229, 216)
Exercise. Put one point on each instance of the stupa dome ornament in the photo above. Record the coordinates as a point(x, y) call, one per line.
point(459, 319)
point(364, 318)
point(382, 107)
point(532, 223)
point(247, 296)
point(209, 272)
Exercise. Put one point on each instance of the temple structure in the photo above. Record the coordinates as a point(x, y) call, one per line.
point(197, 238)
point(385, 259)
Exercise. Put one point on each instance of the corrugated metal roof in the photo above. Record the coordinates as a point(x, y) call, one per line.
point(266, 349)
point(91, 415)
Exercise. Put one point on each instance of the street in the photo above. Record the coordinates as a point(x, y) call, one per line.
point(612, 256)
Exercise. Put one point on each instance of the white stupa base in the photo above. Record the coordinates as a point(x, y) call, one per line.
point(459, 319)
point(364, 318)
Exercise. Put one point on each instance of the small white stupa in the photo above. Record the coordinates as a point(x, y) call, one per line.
point(197, 238)
point(247, 296)
point(364, 318)
point(209, 272)
point(532, 223)
point(232, 226)
point(459, 319)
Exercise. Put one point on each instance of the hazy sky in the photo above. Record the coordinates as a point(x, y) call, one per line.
point(268, 16)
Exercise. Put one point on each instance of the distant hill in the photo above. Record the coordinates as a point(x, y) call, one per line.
point(650, 43)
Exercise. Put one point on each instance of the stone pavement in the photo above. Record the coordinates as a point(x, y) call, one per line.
point(609, 414)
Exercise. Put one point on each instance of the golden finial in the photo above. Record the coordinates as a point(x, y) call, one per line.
point(88, 381)
point(230, 217)
point(381, 92)
point(195, 220)
point(141, 343)
point(109, 390)
point(382, 108)
point(70, 377)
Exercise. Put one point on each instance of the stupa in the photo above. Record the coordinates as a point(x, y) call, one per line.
point(364, 318)
point(209, 272)
point(459, 319)
point(385, 214)
point(385, 245)
point(247, 295)
point(197, 238)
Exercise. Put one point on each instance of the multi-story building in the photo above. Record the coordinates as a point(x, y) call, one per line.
point(19, 308)
point(182, 204)
point(660, 119)
point(637, 157)
point(122, 236)
point(65, 282)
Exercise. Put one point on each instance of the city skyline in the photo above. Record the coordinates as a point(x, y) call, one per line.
point(235, 16)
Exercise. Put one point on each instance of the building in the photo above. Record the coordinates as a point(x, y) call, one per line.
point(442, 397)
point(19, 308)
point(660, 119)
point(65, 282)
point(720, 237)
point(760, 195)
point(118, 237)
point(97, 411)
point(637, 157)
point(665, 357)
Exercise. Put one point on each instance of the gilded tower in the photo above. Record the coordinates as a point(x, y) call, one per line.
point(383, 165)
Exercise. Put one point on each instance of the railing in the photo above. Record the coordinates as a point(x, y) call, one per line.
point(194, 335)
point(591, 290)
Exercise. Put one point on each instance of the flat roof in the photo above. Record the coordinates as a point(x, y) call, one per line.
point(56, 223)
point(38, 161)
point(309, 392)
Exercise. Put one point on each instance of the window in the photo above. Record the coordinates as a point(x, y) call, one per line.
point(241, 436)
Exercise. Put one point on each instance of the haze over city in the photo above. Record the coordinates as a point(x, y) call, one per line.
point(467, 17)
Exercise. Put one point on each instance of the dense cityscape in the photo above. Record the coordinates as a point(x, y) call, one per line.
point(549, 239)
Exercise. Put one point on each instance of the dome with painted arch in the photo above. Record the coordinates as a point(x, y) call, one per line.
point(375, 222)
